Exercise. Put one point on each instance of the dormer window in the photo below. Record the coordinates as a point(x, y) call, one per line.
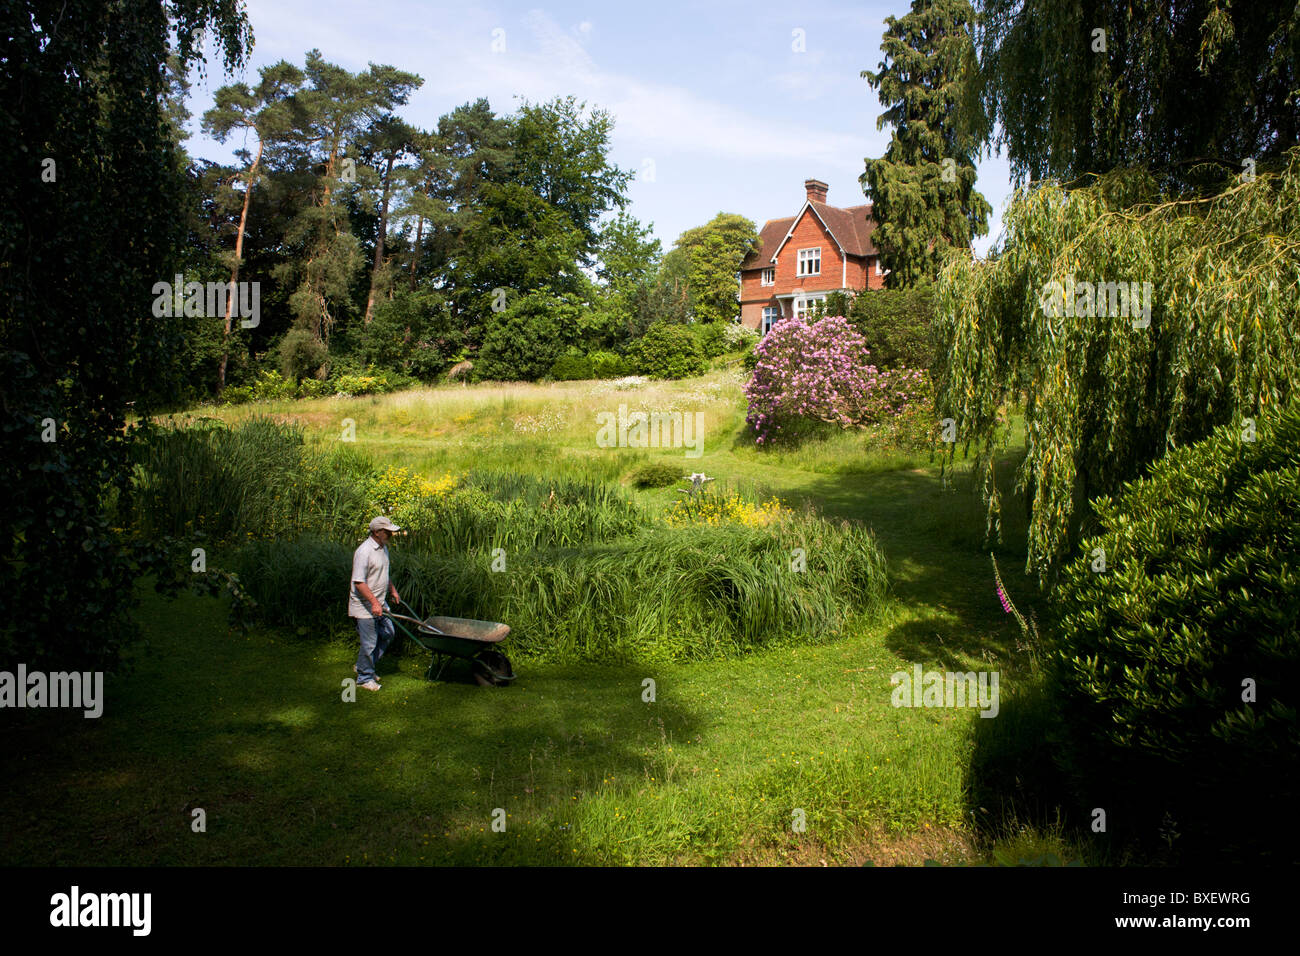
point(768, 277)
point(810, 262)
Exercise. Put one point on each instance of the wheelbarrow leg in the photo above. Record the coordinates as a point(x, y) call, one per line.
point(441, 661)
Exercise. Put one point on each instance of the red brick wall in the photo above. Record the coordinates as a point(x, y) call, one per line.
point(808, 232)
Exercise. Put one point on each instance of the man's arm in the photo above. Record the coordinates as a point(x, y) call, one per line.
point(392, 589)
point(364, 590)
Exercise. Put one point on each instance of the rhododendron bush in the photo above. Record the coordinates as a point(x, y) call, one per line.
point(821, 371)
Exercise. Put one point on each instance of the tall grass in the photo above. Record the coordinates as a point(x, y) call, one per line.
point(577, 569)
point(665, 594)
point(260, 479)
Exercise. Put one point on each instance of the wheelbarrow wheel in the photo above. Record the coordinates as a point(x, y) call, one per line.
point(492, 669)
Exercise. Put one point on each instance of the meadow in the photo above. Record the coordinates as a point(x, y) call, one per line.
point(673, 705)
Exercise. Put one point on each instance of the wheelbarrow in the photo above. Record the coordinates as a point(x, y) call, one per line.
point(462, 638)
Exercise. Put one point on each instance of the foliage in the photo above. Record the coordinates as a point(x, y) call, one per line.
point(711, 508)
point(524, 340)
point(712, 338)
point(301, 355)
point(607, 365)
point(837, 302)
point(266, 112)
point(1198, 590)
point(536, 225)
point(665, 299)
point(738, 338)
point(373, 382)
point(1112, 385)
point(397, 491)
point(572, 366)
point(820, 372)
point(86, 99)
point(655, 474)
point(923, 190)
point(1167, 86)
point(708, 258)
point(333, 109)
point(629, 258)
point(667, 351)
point(897, 325)
point(259, 479)
point(412, 333)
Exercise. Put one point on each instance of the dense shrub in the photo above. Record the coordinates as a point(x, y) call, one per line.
point(313, 388)
point(1200, 592)
point(411, 333)
point(523, 341)
point(897, 326)
point(374, 382)
point(301, 354)
point(819, 372)
point(655, 474)
point(667, 351)
point(572, 366)
point(607, 365)
point(739, 337)
point(270, 386)
point(712, 338)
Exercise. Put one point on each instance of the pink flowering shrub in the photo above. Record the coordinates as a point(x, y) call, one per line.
point(820, 371)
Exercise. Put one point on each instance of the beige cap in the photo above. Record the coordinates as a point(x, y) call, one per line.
point(383, 523)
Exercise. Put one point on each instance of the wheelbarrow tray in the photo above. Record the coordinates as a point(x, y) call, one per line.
point(463, 638)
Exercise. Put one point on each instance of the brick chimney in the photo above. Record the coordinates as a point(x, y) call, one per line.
point(816, 189)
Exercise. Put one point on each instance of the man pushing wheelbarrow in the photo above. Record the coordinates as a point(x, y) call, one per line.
point(446, 637)
point(370, 587)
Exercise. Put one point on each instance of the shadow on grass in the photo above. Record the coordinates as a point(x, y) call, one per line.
point(286, 772)
point(950, 618)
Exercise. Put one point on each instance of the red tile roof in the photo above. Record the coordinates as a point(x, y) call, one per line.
point(851, 226)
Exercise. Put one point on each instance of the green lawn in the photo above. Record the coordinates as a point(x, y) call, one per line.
point(251, 727)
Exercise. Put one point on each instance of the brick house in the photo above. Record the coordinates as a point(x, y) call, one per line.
point(819, 249)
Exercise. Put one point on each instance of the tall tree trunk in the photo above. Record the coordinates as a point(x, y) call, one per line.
point(415, 253)
point(379, 241)
point(234, 271)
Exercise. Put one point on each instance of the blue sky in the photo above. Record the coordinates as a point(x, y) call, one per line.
point(714, 107)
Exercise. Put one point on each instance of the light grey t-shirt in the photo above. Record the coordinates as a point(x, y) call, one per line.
point(369, 564)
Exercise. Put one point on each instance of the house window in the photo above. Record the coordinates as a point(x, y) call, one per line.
point(770, 316)
point(879, 271)
point(769, 277)
point(810, 262)
point(803, 307)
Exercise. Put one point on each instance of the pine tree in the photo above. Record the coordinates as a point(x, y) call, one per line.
point(923, 190)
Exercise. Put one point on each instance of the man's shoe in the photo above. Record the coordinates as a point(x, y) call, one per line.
point(371, 685)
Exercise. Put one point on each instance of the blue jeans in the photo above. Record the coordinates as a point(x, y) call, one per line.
point(376, 635)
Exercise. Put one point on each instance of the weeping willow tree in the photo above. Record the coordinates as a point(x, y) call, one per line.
point(1128, 325)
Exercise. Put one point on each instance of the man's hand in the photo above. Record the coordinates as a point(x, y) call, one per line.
point(397, 598)
point(375, 609)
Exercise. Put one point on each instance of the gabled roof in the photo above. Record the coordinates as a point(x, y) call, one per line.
point(850, 227)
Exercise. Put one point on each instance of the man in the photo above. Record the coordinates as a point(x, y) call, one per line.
point(370, 585)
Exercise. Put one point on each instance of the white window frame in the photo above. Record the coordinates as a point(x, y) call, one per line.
point(771, 316)
point(767, 276)
point(809, 257)
point(879, 271)
point(803, 305)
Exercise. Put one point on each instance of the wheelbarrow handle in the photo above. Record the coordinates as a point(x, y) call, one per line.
point(413, 620)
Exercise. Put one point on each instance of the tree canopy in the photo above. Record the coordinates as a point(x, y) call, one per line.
point(1132, 323)
point(923, 189)
point(1087, 87)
